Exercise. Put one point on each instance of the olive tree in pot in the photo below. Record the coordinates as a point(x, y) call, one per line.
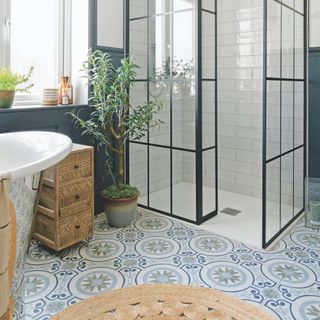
point(112, 123)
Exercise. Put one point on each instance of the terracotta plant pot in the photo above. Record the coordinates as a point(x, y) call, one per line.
point(120, 212)
point(6, 99)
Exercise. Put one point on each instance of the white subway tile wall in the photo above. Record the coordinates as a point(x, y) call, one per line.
point(240, 84)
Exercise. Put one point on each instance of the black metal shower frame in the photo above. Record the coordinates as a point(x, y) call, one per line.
point(266, 242)
point(199, 150)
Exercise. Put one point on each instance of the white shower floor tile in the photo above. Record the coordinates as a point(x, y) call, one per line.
point(245, 227)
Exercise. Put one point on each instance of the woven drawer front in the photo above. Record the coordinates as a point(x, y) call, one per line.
point(75, 197)
point(75, 228)
point(76, 166)
point(45, 226)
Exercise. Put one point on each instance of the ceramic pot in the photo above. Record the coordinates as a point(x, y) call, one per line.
point(6, 98)
point(120, 212)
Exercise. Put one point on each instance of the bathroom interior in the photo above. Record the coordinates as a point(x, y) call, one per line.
point(230, 158)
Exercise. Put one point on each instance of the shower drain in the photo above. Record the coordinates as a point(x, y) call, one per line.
point(230, 211)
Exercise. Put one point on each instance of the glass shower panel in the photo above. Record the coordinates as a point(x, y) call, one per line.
point(273, 39)
point(287, 116)
point(273, 118)
point(138, 9)
point(159, 49)
point(183, 115)
point(160, 180)
point(208, 45)
point(183, 81)
point(138, 172)
point(209, 181)
point(272, 199)
point(160, 6)
point(209, 5)
point(184, 193)
point(208, 114)
point(160, 135)
point(286, 189)
point(298, 181)
point(160, 75)
point(287, 42)
point(289, 3)
point(139, 46)
point(183, 4)
point(167, 60)
point(138, 96)
point(299, 5)
point(299, 47)
point(299, 114)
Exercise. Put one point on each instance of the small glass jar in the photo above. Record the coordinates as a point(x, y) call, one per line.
point(65, 91)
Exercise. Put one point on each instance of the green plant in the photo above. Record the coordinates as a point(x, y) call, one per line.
point(114, 120)
point(179, 69)
point(120, 191)
point(10, 81)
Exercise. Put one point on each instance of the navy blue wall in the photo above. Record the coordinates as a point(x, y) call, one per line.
point(314, 113)
point(55, 119)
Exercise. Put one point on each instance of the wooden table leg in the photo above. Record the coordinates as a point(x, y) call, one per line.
point(7, 252)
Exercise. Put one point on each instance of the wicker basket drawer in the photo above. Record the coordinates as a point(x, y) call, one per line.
point(76, 166)
point(75, 228)
point(75, 197)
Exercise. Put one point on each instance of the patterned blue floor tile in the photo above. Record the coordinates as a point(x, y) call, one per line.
point(157, 249)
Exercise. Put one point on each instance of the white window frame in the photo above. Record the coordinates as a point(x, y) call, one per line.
point(63, 38)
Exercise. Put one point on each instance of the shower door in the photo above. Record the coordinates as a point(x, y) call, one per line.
point(284, 139)
point(174, 165)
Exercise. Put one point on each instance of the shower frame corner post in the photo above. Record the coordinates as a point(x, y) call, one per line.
point(264, 123)
point(126, 15)
point(216, 109)
point(265, 241)
point(198, 110)
point(306, 96)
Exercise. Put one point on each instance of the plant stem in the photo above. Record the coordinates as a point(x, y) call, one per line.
point(121, 164)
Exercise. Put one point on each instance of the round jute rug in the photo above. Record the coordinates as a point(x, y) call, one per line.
point(163, 302)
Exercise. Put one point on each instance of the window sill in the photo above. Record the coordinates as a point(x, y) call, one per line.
point(18, 108)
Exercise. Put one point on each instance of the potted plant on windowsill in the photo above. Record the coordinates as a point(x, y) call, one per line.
point(113, 122)
point(10, 83)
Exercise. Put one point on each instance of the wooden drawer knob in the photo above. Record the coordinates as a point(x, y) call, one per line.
point(77, 226)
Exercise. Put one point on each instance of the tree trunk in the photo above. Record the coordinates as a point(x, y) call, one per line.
point(121, 167)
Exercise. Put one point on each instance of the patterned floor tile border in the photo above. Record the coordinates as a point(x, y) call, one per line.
point(155, 249)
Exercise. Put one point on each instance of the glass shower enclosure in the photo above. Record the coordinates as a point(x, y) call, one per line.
point(232, 77)
point(174, 166)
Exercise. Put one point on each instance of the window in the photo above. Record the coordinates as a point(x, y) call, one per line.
point(43, 34)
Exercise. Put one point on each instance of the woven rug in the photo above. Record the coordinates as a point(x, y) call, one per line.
point(163, 302)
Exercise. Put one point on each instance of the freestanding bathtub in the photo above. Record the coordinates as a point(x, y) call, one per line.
point(22, 154)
